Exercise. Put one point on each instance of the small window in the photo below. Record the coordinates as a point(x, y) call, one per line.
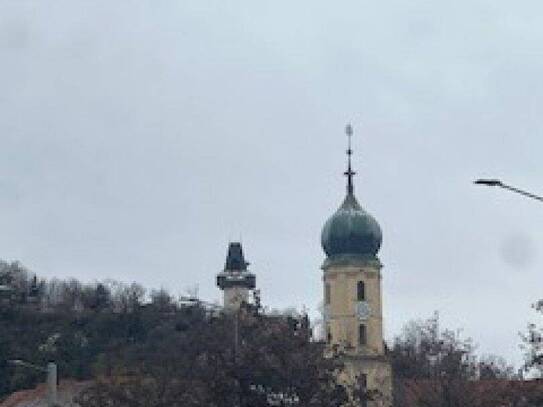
point(328, 334)
point(360, 291)
point(362, 334)
point(363, 386)
point(363, 381)
point(327, 293)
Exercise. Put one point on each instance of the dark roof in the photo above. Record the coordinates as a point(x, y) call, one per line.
point(235, 261)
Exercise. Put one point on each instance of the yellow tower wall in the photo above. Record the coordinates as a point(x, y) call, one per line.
point(342, 322)
point(341, 312)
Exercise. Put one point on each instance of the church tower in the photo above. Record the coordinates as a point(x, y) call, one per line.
point(235, 281)
point(351, 239)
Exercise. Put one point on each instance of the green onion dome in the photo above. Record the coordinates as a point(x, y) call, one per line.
point(351, 231)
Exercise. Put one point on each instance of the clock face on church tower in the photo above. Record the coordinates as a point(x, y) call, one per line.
point(363, 310)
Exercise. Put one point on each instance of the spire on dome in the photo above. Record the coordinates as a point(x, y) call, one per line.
point(349, 173)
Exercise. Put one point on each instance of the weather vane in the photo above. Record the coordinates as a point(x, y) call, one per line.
point(349, 173)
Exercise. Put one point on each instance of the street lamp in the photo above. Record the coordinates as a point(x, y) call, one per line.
point(51, 370)
point(498, 183)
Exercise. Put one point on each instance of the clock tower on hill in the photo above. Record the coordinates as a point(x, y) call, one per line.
point(235, 280)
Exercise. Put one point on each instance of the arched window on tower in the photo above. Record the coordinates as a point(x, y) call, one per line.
point(360, 291)
point(362, 335)
point(363, 381)
point(363, 387)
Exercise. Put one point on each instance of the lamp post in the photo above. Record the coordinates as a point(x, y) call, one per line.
point(498, 183)
point(51, 370)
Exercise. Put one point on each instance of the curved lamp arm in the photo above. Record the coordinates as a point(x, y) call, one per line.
point(498, 183)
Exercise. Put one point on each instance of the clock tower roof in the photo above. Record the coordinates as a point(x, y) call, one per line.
point(235, 273)
point(235, 260)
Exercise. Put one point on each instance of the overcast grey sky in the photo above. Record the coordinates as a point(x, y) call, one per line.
point(138, 138)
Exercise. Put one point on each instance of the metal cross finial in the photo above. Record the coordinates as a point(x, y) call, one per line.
point(349, 173)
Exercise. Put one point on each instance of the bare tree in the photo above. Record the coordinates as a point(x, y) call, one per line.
point(228, 360)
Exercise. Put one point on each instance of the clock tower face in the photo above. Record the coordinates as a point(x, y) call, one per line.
point(238, 297)
point(363, 310)
point(234, 297)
